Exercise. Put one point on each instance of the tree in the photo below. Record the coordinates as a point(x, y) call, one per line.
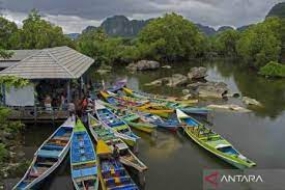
point(260, 44)
point(226, 41)
point(38, 34)
point(96, 44)
point(171, 38)
point(7, 29)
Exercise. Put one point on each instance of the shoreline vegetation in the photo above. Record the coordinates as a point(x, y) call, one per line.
point(168, 39)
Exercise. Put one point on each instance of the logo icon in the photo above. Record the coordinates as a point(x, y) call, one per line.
point(213, 179)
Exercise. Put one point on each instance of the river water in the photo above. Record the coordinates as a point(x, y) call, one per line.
point(176, 162)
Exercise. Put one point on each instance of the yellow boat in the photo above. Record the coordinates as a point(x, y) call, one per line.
point(156, 110)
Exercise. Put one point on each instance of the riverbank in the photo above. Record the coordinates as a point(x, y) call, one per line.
point(12, 157)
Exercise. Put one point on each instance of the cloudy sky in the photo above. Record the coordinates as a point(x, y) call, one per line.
point(75, 15)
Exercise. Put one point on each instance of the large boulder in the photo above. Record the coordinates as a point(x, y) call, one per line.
point(210, 89)
point(177, 80)
point(143, 65)
point(197, 73)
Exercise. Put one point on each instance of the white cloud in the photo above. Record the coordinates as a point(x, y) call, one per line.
point(75, 15)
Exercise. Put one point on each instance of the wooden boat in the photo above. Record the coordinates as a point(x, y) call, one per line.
point(48, 157)
point(118, 85)
point(113, 175)
point(131, 118)
point(170, 124)
point(158, 98)
point(112, 121)
point(107, 135)
point(184, 106)
point(144, 106)
point(83, 160)
point(212, 142)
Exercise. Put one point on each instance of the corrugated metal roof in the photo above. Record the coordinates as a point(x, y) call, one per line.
point(53, 63)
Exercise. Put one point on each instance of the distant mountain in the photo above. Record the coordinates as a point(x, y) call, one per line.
point(243, 28)
point(73, 36)
point(209, 31)
point(224, 28)
point(121, 26)
point(278, 10)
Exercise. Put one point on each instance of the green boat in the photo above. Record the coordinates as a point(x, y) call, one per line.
point(131, 118)
point(212, 141)
point(127, 157)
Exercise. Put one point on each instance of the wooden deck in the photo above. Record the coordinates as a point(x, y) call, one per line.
point(38, 115)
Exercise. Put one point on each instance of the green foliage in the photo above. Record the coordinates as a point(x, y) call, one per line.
point(36, 33)
point(171, 38)
point(226, 41)
point(13, 81)
point(273, 69)
point(261, 43)
point(5, 54)
point(7, 29)
point(3, 152)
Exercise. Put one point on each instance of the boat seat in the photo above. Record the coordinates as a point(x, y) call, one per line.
point(52, 147)
point(49, 153)
point(89, 171)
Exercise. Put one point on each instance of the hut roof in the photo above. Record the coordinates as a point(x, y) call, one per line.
point(52, 63)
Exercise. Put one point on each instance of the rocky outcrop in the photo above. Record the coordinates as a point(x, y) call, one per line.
point(250, 101)
point(173, 81)
point(197, 73)
point(177, 80)
point(143, 65)
point(209, 89)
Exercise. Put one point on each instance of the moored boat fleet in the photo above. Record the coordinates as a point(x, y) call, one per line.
point(99, 160)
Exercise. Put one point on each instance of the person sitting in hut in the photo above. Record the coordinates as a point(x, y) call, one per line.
point(47, 103)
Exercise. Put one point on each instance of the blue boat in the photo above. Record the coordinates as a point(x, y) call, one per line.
point(48, 157)
point(83, 160)
point(119, 126)
point(113, 175)
point(170, 124)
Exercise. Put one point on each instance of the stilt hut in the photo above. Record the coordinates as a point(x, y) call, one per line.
point(51, 72)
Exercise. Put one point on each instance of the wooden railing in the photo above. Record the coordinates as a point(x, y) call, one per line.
point(37, 114)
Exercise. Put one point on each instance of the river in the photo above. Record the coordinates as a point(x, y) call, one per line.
point(176, 162)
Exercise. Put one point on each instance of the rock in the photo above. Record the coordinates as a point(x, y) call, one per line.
point(210, 89)
point(197, 73)
point(185, 91)
point(103, 72)
point(157, 82)
point(177, 80)
point(143, 65)
point(173, 81)
point(8, 135)
point(20, 154)
point(166, 67)
point(104, 69)
point(230, 107)
point(188, 97)
point(251, 101)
